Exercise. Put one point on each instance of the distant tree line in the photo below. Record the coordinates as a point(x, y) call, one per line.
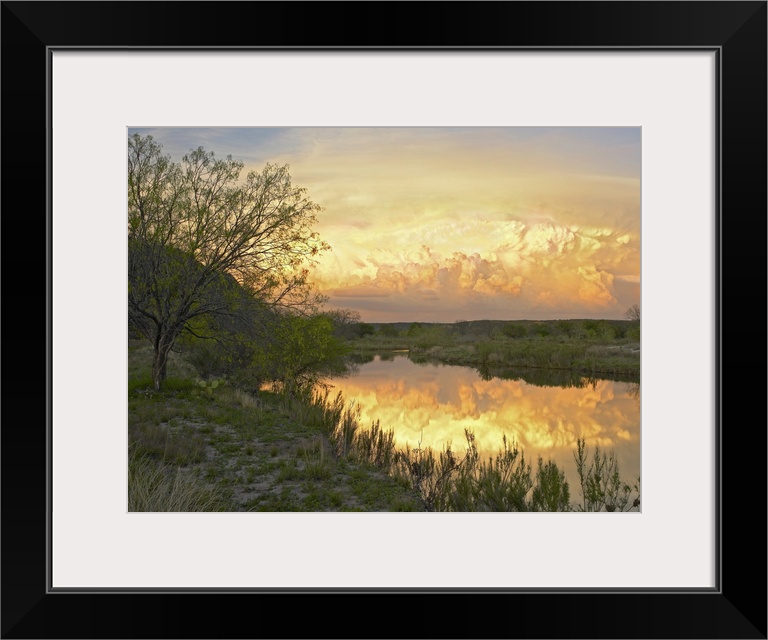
point(600, 329)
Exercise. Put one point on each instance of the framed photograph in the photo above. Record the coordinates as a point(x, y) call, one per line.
point(678, 88)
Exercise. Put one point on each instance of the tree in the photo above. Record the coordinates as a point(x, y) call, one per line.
point(514, 330)
point(303, 348)
point(389, 330)
point(633, 313)
point(344, 322)
point(193, 224)
point(415, 329)
point(364, 329)
point(229, 341)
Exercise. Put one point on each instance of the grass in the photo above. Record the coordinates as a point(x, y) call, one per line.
point(155, 486)
point(229, 449)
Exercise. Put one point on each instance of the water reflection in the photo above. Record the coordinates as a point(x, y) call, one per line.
point(430, 404)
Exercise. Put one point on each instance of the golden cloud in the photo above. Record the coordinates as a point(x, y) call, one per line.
point(547, 264)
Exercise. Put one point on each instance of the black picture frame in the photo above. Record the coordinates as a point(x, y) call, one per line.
point(736, 608)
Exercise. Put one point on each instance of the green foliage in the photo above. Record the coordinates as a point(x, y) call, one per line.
point(389, 331)
point(432, 476)
point(431, 336)
point(551, 492)
point(204, 242)
point(484, 350)
point(592, 328)
point(541, 329)
point(565, 327)
point(364, 329)
point(586, 347)
point(316, 460)
point(607, 332)
point(499, 483)
point(301, 349)
point(514, 330)
point(209, 357)
point(415, 329)
point(210, 385)
point(503, 482)
point(285, 348)
point(602, 488)
point(376, 446)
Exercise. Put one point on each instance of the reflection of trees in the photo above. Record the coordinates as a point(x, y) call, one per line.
point(633, 390)
point(538, 377)
point(348, 369)
point(563, 378)
point(360, 358)
point(421, 359)
point(534, 407)
point(364, 357)
point(353, 361)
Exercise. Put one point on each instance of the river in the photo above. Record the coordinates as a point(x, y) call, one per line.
point(430, 405)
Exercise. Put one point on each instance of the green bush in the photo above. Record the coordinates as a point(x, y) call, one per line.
point(551, 492)
point(602, 487)
point(514, 330)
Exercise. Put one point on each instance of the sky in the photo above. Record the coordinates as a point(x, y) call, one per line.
point(438, 224)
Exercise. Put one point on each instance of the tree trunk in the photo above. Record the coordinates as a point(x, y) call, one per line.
point(159, 364)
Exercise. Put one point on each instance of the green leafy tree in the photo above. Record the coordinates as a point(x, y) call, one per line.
point(415, 329)
point(542, 329)
point(514, 330)
point(225, 344)
point(302, 349)
point(389, 331)
point(566, 328)
point(193, 222)
point(364, 329)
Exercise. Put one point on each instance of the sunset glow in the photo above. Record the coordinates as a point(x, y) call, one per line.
point(430, 405)
point(447, 224)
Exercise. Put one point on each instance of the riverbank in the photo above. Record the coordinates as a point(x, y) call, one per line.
point(606, 352)
point(208, 446)
point(199, 448)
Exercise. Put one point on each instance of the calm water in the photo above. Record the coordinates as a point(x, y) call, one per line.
point(429, 405)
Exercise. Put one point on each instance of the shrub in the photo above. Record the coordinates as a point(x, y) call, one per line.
point(602, 487)
point(514, 330)
point(551, 492)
